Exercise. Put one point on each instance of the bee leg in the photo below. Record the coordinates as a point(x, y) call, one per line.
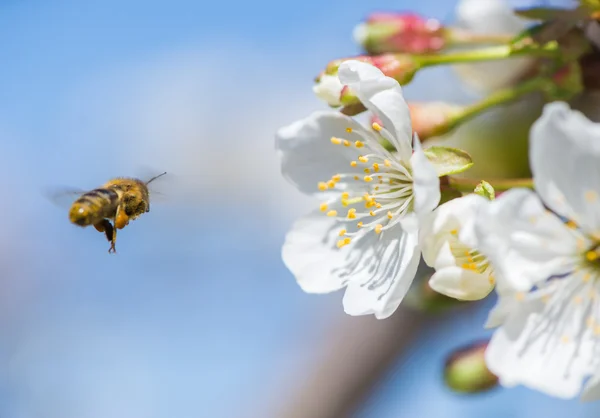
point(110, 232)
point(106, 227)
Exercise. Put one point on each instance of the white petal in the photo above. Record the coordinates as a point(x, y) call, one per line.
point(383, 96)
point(565, 155)
point(383, 286)
point(591, 391)
point(501, 311)
point(461, 284)
point(550, 357)
point(426, 183)
point(525, 243)
point(455, 215)
point(329, 89)
point(311, 254)
point(307, 154)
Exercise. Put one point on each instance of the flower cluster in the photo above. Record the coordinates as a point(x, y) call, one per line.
point(386, 202)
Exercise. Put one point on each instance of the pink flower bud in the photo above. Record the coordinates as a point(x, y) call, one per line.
point(432, 119)
point(400, 32)
point(401, 67)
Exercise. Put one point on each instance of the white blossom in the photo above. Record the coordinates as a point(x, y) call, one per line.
point(446, 236)
point(364, 235)
point(546, 248)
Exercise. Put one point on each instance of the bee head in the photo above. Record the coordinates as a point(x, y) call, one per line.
point(79, 214)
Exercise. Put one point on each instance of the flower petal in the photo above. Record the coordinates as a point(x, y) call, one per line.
point(307, 154)
point(329, 88)
point(462, 284)
point(311, 254)
point(383, 96)
point(530, 349)
point(426, 183)
point(565, 151)
point(525, 243)
point(455, 216)
point(390, 266)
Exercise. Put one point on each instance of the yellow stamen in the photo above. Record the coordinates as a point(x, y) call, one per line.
point(591, 255)
point(322, 186)
point(571, 224)
point(351, 213)
point(454, 232)
point(353, 163)
point(345, 195)
point(378, 228)
point(387, 163)
point(359, 144)
point(336, 178)
point(390, 215)
point(346, 143)
point(349, 130)
point(360, 224)
point(332, 213)
point(363, 159)
point(368, 179)
point(372, 213)
point(356, 178)
point(366, 170)
point(323, 207)
point(376, 167)
point(331, 184)
point(336, 141)
point(376, 126)
point(342, 232)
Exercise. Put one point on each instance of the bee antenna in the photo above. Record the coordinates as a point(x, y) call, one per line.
point(155, 177)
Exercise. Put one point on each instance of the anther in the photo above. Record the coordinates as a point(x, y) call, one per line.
point(378, 228)
point(336, 178)
point(336, 141)
point(359, 144)
point(345, 195)
point(351, 213)
point(353, 163)
point(342, 232)
point(387, 163)
point(346, 143)
point(323, 207)
point(376, 126)
point(322, 186)
point(371, 213)
point(331, 184)
point(363, 159)
point(332, 213)
point(591, 255)
point(349, 130)
point(368, 179)
point(360, 224)
point(390, 215)
point(376, 167)
point(366, 170)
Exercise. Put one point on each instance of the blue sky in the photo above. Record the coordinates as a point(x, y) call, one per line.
point(197, 307)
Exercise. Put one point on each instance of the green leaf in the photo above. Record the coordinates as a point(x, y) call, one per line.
point(448, 160)
point(486, 190)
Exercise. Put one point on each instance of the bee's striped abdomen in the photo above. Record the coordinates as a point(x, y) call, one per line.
point(94, 206)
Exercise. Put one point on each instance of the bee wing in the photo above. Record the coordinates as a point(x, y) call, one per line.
point(63, 197)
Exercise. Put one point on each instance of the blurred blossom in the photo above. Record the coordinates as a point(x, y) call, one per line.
point(333, 156)
point(491, 17)
point(551, 263)
point(465, 370)
point(400, 32)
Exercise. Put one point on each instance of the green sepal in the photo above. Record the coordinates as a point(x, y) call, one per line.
point(486, 190)
point(448, 160)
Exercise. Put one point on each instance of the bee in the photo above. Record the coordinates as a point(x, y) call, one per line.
point(119, 200)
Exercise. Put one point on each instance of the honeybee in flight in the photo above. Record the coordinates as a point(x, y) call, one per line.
point(119, 200)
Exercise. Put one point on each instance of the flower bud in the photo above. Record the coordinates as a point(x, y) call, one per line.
point(400, 32)
point(328, 87)
point(432, 119)
point(465, 370)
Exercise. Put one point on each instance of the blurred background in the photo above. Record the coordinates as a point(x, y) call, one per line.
point(196, 316)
